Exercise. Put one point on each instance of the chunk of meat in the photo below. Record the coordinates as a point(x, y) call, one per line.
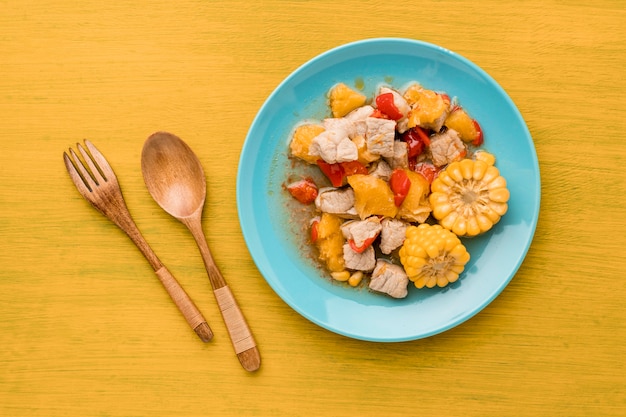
point(335, 143)
point(400, 158)
point(341, 125)
point(389, 279)
point(382, 170)
point(361, 231)
point(364, 261)
point(446, 147)
point(380, 136)
point(333, 146)
point(358, 117)
point(339, 201)
point(360, 114)
point(393, 233)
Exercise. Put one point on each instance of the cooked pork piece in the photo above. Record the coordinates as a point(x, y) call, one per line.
point(380, 136)
point(359, 117)
point(340, 125)
point(446, 147)
point(360, 231)
point(381, 169)
point(389, 279)
point(364, 261)
point(360, 113)
point(334, 146)
point(339, 201)
point(392, 234)
point(400, 158)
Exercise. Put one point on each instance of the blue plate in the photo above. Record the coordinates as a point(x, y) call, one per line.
point(276, 238)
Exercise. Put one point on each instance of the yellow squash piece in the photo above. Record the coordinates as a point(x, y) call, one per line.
point(432, 255)
point(463, 124)
point(330, 242)
point(427, 106)
point(469, 197)
point(343, 100)
point(416, 207)
point(372, 196)
point(301, 142)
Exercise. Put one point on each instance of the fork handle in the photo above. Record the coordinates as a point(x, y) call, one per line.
point(185, 304)
point(174, 289)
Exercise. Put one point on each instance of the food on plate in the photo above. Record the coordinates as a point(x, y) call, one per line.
point(301, 142)
point(343, 100)
point(305, 190)
point(432, 255)
point(467, 128)
point(469, 197)
point(326, 234)
point(402, 180)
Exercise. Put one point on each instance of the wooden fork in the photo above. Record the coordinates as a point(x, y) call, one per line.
point(97, 182)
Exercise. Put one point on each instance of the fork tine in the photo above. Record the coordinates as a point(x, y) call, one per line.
point(96, 173)
point(103, 164)
point(75, 169)
point(86, 175)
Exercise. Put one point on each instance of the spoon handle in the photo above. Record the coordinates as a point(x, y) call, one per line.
point(238, 330)
point(240, 334)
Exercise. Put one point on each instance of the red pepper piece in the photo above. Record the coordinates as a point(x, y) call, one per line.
point(400, 185)
point(385, 104)
point(366, 244)
point(417, 139)
point(423, 135)
point(334, 172)
point(353, 167)
point(305, 191)
point(314, 231)
point(479, 137)
point(338, 171)
point(428, 171)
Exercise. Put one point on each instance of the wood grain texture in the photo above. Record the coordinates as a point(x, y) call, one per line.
point(551, 345)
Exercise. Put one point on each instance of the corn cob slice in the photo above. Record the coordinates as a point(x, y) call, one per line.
point(469, 197)
point(432, 255)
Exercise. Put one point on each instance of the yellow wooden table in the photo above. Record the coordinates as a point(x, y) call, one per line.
point(85, 327)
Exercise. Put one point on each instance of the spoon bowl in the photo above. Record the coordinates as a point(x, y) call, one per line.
point(175, 179)
point(173, 175)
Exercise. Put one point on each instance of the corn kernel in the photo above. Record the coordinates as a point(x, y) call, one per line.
point(491, 174)
point(355, 279)
point(486, 157)
point(499, 182)
point(467, 168)
point(340, 276)
point(479, 170)
point(454, 171)
point(499, 195)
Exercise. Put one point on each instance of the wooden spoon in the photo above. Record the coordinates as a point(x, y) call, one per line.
point(175, 179)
